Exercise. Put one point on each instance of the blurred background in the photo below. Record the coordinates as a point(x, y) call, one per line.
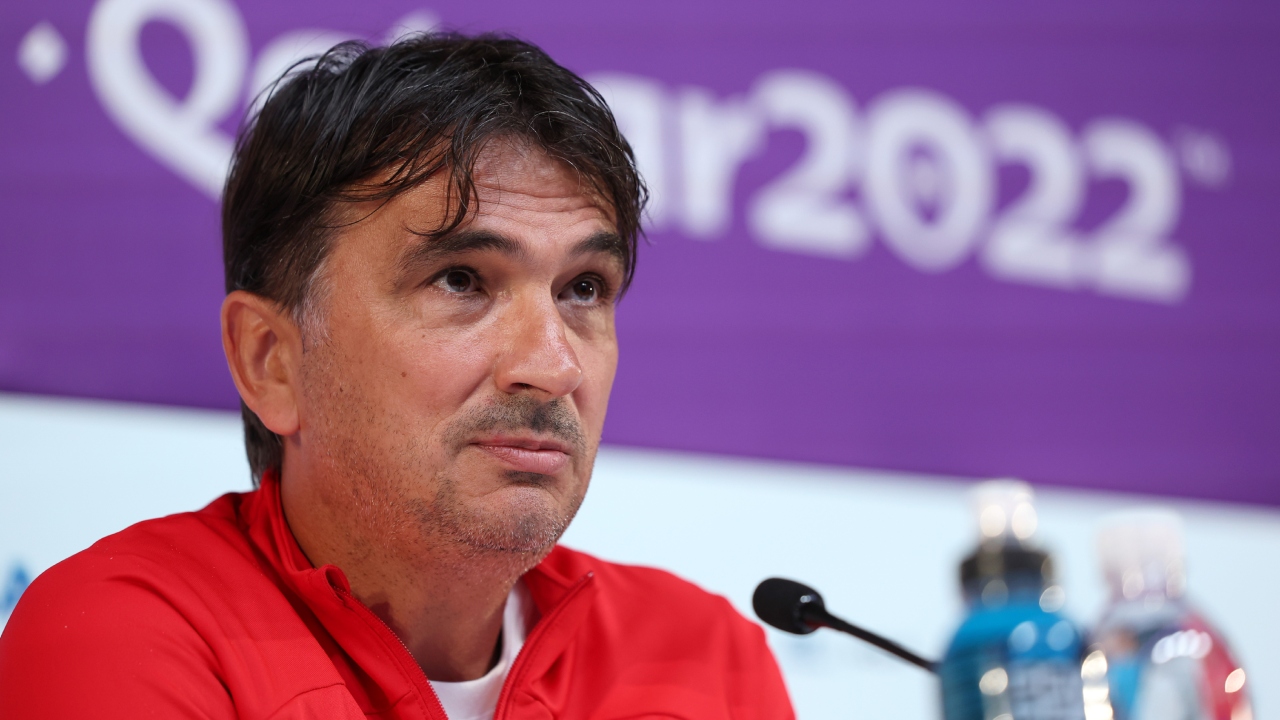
point(893, 248)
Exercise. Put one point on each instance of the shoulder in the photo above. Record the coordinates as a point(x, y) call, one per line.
point(181, 538)
point(125, 616)
point(638, 596)
point(659, 645)
point(161, 556)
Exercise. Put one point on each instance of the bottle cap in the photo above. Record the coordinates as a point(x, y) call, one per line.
point(1007, 521)
point(1141, 553)
point(1005, 510)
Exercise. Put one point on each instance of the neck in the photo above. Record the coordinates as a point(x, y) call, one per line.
point(443, 601)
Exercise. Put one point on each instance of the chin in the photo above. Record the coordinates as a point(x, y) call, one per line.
point(523, 519)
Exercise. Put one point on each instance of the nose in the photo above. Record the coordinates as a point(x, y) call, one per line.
point(538, 355)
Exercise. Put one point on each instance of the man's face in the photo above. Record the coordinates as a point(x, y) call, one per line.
point(454, 389)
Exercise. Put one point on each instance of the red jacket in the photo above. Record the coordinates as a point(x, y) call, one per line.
point(218, 614)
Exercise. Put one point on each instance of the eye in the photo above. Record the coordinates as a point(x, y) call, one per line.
point(586, 290)
point(458, 280)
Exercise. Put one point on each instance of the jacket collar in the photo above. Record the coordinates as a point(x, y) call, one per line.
point(561, 590)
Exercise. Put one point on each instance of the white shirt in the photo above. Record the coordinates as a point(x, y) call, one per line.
point(477, 699)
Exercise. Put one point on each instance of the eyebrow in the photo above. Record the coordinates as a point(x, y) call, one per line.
point(434, 250)
point(606, 242)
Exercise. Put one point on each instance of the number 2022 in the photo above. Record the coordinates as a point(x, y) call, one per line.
point(927, 175)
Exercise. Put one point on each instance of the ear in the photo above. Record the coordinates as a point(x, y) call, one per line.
point(264, 352)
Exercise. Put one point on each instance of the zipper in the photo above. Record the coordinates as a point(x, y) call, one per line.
point(423, 681)
point(516, 674)
point(284, 539)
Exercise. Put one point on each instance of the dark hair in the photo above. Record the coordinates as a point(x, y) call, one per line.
point(367, 123)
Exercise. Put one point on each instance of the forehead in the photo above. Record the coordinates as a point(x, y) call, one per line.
point(512, 177)
point(520, 193)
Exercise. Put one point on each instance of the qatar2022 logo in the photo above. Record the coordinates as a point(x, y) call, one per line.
point(913, 168)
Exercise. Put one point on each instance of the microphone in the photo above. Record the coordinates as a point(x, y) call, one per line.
point(796, 608)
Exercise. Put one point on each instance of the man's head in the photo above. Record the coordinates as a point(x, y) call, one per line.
point(423, 245)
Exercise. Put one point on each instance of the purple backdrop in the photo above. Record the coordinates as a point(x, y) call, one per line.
point(998, 238)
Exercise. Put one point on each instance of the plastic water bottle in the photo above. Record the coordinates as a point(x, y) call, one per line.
point(1152, 656)
point(1013, 657)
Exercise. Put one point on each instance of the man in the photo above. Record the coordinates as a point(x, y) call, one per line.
point(424, 245)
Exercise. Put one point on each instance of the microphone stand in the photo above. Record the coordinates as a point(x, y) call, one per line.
point(817, 616)
point(797, 608)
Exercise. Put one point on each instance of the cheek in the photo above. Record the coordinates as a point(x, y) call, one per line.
point(441, 368)
point(599, 364)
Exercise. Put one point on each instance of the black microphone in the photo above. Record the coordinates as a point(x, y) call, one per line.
point(796, 608)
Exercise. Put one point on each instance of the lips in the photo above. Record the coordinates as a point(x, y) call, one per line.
point(533, 455)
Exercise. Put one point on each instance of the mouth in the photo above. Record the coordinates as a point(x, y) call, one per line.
point(543, 456)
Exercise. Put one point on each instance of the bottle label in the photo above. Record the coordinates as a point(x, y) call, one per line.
point(1045, 691)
